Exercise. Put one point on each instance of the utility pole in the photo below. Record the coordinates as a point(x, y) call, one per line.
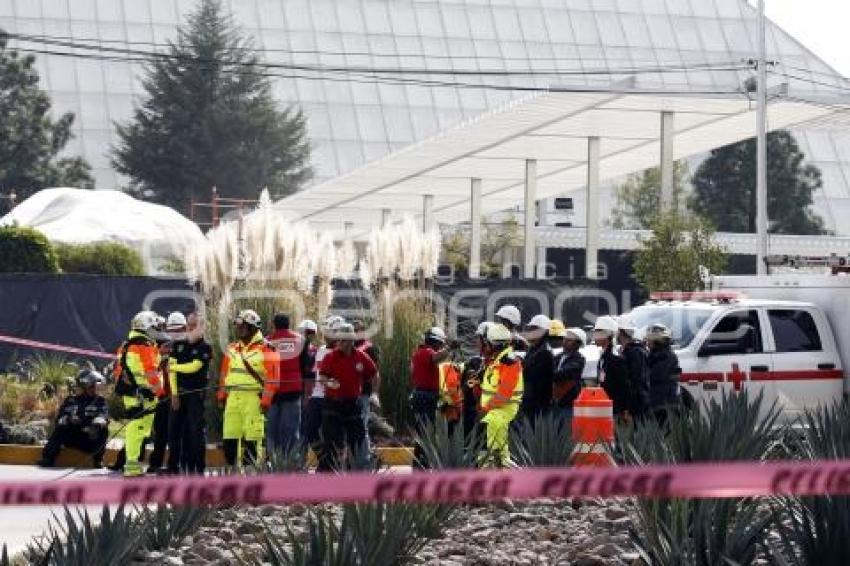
point(761, 149)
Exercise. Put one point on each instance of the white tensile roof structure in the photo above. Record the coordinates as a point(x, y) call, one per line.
point(551, 128)
point(77, 216)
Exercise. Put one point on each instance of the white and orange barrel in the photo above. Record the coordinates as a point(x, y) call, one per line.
point(593, 428)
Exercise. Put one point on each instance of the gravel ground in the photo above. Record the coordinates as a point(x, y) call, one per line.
point(544, 532)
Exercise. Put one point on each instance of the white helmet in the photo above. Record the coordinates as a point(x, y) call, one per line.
point(436, 334)
point(540, 321)
point(606, 324)
point(510, 313)
point(144, 321)
point(249, 316)
point(308, 325)
point(576, 334)
point(175, 320)
point(481, 331)
point(333, 321)
point(658, 333)
point(344, 331)
point(499, 334)
point(626, 324)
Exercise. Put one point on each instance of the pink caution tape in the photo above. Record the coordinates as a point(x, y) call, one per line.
point(55, 347)
point(472, 486)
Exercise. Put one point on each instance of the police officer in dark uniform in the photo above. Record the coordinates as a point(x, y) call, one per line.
point(188, 366)
point(81, 422)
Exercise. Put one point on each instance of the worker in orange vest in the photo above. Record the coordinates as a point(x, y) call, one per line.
point(501, 392)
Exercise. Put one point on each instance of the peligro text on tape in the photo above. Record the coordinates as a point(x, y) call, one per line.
point(741, 479)
point(54, 347)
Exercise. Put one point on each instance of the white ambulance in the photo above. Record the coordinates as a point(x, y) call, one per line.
point(786, 335)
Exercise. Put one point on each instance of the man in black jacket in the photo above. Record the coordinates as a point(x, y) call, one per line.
point(612, 371)
point(188, 366)
point(635, 354)
point(538, 368)
point(664, 372)
point(569, 366)
point(81, 422)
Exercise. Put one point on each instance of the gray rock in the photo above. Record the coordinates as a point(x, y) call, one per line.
point(588, 560)
point(226, 534)
point(615, 512)
point(172, 561)
point(211, 553)
point(607, 550)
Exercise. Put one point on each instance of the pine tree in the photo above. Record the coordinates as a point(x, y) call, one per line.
point(209, 120)
point(724, 187)
point(30, 139)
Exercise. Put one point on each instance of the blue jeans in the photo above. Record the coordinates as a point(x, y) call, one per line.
point(363, 406)
point(283, 425)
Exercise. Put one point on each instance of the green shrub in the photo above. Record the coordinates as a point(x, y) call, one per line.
point(26, 250)
point(100, 258)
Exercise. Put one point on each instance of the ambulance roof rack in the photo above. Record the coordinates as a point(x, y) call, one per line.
point(836, 263)
point(704, 296)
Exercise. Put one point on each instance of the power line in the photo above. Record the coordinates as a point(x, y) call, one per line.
point(358, 78)
point(388, 70)
point(408, 55)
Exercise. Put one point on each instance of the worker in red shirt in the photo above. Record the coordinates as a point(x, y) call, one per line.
point(344, 371)
point(425, 377)
point(283, 418)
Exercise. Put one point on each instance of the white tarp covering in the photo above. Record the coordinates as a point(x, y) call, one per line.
point(77, 216)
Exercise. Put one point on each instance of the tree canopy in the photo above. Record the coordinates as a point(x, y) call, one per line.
point(638, 199)
point(209, 120)
point(31, 140)
point(724, 187)
point(670, 258)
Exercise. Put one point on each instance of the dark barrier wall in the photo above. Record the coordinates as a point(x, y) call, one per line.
point(84, 311)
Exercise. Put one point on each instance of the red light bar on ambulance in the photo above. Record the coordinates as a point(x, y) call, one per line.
point(719, 296)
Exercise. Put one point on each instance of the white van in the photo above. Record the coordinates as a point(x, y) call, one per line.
point(759, 338)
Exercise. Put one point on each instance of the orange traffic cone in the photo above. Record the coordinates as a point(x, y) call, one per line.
point(593, 428)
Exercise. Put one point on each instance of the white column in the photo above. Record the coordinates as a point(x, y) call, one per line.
point(475, 229)
point(427, 213)
point(761, 150)
point(592, 213)
point(529, 247)
point(385, 217)
point(667, 135)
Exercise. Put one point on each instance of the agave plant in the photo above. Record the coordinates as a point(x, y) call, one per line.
point(703, 531)
point(545, 441)
point(816, 530)
point(368, 534)
point(291, 459)
point(77, 540)
point(167, 525)
point(442, 449)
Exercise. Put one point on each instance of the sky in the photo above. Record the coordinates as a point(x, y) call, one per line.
point(820, 25)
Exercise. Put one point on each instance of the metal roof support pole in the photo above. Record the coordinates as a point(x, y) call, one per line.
point(348, 228)
point(667, 180)
point(475, 229)
point(761, 150)
point(529, 264)
point(386, 213)
point(592, 212)
point(427, 213)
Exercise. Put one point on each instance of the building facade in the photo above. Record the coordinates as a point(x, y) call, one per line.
point(375, 76)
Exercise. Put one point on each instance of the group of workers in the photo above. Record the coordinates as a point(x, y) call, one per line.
point(298, 388)
point(525, 373)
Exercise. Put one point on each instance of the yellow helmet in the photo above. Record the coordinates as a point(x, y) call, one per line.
point(557, 328)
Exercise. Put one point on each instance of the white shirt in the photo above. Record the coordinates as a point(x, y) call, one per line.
point(319, 387)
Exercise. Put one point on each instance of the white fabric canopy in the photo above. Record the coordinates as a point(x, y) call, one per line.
point(79, 216)
point(552, 128)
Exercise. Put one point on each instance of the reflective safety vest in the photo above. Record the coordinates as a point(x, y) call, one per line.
point(451, 394)
point(138, 366)
point(502, 382)
point(264, 363)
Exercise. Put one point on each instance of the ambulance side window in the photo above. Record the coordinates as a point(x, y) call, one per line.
point(737, 333)
point(794, 331)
